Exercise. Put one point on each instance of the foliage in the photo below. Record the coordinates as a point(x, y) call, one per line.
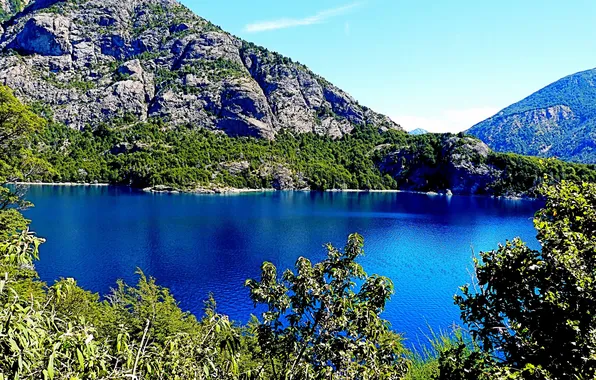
point(150, 154)
point(17, 124)
point(317, 324)
point(425, 362)
point(531, 311)
point(64, 332)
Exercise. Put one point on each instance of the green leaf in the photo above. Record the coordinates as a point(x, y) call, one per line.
point(81, 360)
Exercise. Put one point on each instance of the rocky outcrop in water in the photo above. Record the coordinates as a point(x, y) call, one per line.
point(94, 61)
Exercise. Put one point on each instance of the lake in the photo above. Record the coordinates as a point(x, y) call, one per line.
point(201, 244)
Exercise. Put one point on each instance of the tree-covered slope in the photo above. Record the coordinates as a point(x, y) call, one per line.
point(133, 91)
point(557, 121)
point(151, 155)
point(9, 8)
point(92, 61)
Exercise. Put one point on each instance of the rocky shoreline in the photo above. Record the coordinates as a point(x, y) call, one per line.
point(203, 190)
point(62, 183)
point(163, 189)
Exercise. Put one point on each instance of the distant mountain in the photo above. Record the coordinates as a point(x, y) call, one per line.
point(94, 61)
point(557, 121)
point(147, 80)
point(418, 131)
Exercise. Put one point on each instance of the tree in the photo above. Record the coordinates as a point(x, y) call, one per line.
point(65, 332)
point(17, 121)
point(17, 124)
point(323, 320)
point(532, 312)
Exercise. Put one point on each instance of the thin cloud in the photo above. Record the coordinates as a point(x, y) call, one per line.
point(285, 23)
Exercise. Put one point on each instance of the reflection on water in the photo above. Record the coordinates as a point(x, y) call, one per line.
point(197, 244)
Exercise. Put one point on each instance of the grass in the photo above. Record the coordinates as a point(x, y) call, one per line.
point(424, 363)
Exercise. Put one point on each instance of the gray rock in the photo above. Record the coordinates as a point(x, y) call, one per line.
point(462, 168)
point(245, 111)
point(281, 177)
point(129, 96)
point(173, 65)
point(235, 168)
point(45, 35)
point(124, 147)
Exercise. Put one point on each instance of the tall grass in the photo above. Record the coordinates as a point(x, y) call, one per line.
point(424, 363)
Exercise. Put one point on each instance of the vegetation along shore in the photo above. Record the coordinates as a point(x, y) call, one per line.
point(148, 95)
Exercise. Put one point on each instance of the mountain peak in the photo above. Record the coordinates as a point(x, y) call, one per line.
point(418, 131)
point(556, 121)
point(76, 56)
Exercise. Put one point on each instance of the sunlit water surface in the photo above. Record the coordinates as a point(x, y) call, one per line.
point(201, 244)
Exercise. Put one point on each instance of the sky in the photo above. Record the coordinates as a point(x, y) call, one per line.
point(441, 65)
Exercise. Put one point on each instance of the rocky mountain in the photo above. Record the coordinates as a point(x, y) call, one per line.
point(557, 121)
point(93, 61)
point(148, 80)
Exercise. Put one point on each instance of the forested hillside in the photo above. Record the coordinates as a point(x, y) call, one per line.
point(529, 316)
point(151, 155)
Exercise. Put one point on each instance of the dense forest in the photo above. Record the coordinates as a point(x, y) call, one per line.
point(152, 154)
point(529, 314)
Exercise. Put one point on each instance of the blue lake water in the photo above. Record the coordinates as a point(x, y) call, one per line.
point(201, 244)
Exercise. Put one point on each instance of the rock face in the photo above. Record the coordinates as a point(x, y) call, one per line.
point(44, 35)
point(557, 121)
point(460, 170)
point(94, 61)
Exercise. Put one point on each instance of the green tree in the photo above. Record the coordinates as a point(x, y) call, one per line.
point(17, 124)
point(323, 320)
point(532, 312)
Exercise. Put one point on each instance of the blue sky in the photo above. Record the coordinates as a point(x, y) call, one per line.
point(439, 65)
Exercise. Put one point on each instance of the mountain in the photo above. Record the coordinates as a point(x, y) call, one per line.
point(134, 90)
point(93, 61)
point(557, 121)
point(418, 131)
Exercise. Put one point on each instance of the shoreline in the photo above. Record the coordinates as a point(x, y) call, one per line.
point(232, 191)
point(60, 184)
point(222, 190)
point(207, 191)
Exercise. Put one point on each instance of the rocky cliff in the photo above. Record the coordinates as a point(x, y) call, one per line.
point(93, 61)
point(557, 121)
point(448, 163)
